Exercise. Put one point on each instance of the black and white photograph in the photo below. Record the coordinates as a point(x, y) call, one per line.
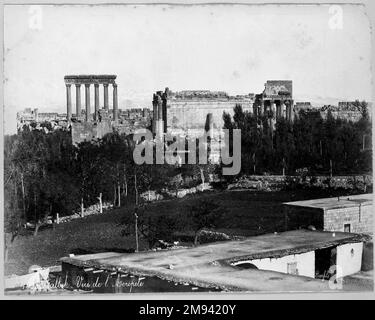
point(188, 149)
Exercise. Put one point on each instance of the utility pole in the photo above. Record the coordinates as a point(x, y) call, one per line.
point(82, 208)
point(100, 203)
point(23, 197)
point(136, 231)
point(363, 142)
point(330, 168)
point(118, 187)
point(254, 162)
point(119, 194)
point(135, 187)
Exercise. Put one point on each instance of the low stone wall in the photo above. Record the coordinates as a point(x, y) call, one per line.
point(264, 183)
point(180, 193)
point(94, 209)
point(278, 182)
point(359, 218)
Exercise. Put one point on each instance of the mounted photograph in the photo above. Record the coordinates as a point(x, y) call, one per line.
point(187, 149)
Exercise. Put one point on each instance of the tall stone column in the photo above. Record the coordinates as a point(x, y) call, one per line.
point(273, 110)
point(96, 114)
point(278, 110)
point(160, 107)
point(105, 96)
point(155, 113)
point(68, 103)
point(291, 113)
point(159, 124)
point(283, 110)
point(115, 103)
point(78, 100)
point(88, 111)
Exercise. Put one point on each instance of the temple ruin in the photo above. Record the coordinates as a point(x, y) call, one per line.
point(87, 81)
point(187, 111)
point(276, 101)
point(84, 124)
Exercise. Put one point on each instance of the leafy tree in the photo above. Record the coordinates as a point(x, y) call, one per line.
point(153, 228)
point(204, 214)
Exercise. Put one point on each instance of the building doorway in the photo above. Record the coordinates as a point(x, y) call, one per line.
point(325, 260)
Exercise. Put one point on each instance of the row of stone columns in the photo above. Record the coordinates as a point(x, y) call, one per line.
point(87, 100)
point(278, 109)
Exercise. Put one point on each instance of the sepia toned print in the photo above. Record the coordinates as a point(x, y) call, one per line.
point(187, 149)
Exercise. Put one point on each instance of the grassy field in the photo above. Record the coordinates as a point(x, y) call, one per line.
point(248, 213)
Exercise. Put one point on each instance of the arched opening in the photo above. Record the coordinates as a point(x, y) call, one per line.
point(246, 265)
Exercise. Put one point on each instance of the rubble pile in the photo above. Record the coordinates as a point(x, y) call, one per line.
point(207, 236)
point(180, 193)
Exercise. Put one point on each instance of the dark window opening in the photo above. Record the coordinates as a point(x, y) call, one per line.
point(347, 227)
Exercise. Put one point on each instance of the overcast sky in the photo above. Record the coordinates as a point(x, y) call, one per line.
point(231, 48)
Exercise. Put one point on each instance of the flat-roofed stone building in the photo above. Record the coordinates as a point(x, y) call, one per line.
point(348, 214)
point(296, 260)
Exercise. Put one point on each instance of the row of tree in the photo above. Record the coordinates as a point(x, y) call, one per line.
point(321, 146)
point(46, 174)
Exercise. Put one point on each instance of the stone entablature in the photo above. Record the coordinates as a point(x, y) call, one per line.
point(91, 79)
point(206, 95)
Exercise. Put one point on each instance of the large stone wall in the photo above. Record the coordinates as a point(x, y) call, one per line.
point(348, 115)
point(184, 115)
point(359, 218)
point(275, 88)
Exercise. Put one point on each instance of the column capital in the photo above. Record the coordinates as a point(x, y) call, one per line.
point(87, 85)
point(68, 85)
point(105, 84)
point(114, 85)
point(96, 85)
point(78, 85)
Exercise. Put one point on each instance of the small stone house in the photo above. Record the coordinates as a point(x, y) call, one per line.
point(346, 214)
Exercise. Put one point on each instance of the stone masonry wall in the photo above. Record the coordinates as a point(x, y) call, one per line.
point(191, 114)
point(359, 218)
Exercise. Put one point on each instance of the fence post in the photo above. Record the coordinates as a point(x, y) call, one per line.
point(82, 207)
point(100, 203)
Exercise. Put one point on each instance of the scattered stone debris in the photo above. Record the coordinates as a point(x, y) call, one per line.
point(206, 236)
point(35, 281)
point(258, 183)
point(180, 193)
